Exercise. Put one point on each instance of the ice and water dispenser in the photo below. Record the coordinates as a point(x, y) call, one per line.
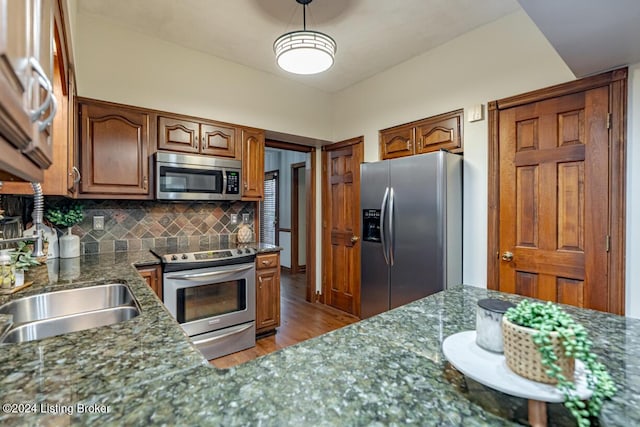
point(371, 225)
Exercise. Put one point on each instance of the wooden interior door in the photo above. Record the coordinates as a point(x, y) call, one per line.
point(341, 225)
point(555, 200)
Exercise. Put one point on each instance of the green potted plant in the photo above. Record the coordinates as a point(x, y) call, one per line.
point(22, 260)
point(559, 339)
point(66, 216)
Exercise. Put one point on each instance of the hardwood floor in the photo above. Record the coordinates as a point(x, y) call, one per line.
point(299, 321)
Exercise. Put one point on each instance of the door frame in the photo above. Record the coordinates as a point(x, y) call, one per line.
point(616, 80)
point(276, 176)
point(358, 142)
point(295, 224)
point(310, 186)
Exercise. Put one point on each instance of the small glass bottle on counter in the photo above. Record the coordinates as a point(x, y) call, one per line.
point(7, 276)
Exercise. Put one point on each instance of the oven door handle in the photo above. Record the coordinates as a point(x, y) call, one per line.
point(205, 276)
point(221, 336)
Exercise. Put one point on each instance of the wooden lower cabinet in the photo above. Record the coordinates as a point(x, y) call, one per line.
point(153, 275)
point(267, 292)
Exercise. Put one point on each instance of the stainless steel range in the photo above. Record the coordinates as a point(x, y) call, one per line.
point(212, 295)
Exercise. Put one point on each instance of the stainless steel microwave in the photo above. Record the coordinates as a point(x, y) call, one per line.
point(190, 177)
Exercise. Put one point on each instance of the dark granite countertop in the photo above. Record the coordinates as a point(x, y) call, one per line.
point(387, 370)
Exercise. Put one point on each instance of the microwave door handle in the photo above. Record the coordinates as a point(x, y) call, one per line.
point(224, 182)
point(205, 276)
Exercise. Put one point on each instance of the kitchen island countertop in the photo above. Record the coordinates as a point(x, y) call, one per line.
point(385, 370)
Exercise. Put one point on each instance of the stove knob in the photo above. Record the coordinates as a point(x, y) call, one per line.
point(174, 257)
point(247, 251)
point(239, 251)
point(184, 256)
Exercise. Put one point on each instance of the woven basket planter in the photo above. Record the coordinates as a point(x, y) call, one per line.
point(523, 357)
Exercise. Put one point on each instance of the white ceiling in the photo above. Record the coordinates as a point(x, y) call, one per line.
point(372, 35)
point(590, 36)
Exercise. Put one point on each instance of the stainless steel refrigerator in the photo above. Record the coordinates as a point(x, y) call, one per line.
point(411, 229)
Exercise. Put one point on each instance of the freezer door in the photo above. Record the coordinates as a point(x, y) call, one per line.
point(374, 272)
point(417, 228)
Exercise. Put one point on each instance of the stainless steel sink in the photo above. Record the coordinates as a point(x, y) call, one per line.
point(70, 323)
point(56, 313)
point(63, 303)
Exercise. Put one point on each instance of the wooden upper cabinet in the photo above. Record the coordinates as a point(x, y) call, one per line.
point(178, 135)
point(218, 140)
point(186, 136)
point(443, 131)
point(27, 105)
point(62, 178)
point(114, 147)
point(440, 132)
point(397, 142)
point(252, 164)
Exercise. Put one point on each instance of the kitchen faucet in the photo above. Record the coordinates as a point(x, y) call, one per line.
point(38, 213)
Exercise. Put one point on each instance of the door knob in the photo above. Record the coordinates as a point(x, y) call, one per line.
point(354, 239)
point(507, 256)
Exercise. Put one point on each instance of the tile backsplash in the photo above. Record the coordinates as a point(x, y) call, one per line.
point(134, 225)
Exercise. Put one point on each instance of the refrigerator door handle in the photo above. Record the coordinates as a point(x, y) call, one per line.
point(383, 233)
point(392, 232)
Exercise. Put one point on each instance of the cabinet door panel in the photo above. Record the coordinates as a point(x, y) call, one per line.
point(396, 142)
point(40, 150)
point(268, 299)
point(115, 143)
point(441, 132)
point(178, 135)
point(218, 140)
point(252, 164)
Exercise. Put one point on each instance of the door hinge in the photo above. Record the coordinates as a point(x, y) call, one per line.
point(608, 120)
point(608, 242)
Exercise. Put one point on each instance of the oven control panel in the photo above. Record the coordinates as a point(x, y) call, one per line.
point(205, 256)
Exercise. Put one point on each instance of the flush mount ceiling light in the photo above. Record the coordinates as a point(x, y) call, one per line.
point(304, 52)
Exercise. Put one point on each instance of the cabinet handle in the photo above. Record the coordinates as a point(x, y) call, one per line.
point(245, 186)
point(260, 280)
point(144, 183)
point(44, 82)
point(47, 122)
point(75, 172)
point(266, 262)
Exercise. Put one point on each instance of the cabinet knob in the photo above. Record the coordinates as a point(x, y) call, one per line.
point(145, 182)
point(245, 186)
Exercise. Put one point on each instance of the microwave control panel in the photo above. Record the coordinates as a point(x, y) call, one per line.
point(233, 182)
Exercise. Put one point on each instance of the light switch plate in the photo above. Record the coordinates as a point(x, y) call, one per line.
point(98, 222)
point(245, 217)
point(476, 113)
point(234, 218)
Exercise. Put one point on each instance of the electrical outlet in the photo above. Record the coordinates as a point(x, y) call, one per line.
point(234, 218)
point(245, 218)
point(98, 222)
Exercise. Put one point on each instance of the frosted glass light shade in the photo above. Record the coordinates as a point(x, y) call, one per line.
point(304, 52)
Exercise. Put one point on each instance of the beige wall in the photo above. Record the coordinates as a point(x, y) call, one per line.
point(504, 58)
point(633, 194)
point(120, 65)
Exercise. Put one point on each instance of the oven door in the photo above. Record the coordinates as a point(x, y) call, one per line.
point(208, 299)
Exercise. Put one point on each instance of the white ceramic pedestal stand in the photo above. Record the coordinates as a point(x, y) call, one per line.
point(491, 370)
